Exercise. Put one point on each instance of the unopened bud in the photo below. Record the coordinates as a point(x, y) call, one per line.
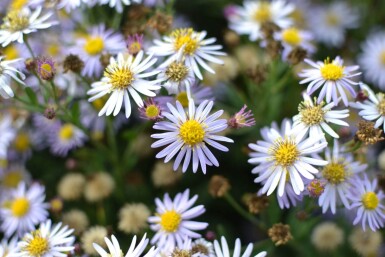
point(316, 187)
point(50, 113)
point(218, 186)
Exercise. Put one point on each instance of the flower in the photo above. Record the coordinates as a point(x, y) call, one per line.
point(134, 251)
point(123, 76)
point(13, 175)
point(47, 241)
point(7, 72)
point(118, 4)
point(133, 217)
point(71, 186)
point(135, 43)
point(372, 59)
point(172, 221)
point(189, 133)
point(19, 22)
point(23, 209)
point(289, 197)
point(373, 108)
point(329, 23)
point(282, 156)
point(76, 219)
point(367, 201)
point(150, 110)
point(196, 49)
point(46, 68)
point(338, 175)
point(8, 134)
point(250, 18)
point(223, 249)
point(163, 175)
point(333, 76)
point(99, 187)
point(8, 248)
point(242, 119)
point(202, 247)
point(280, 234)
point(327, 236)
point(66, 138)
point(366, 243)
point(314, 117)
point(292, 38)
point(94, 235)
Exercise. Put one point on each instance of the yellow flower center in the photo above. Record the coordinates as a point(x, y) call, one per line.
point(22, 142)
point(382, 58)
point(185, 37)
point(152, 111)
point(311, 115)
point(370, 200)
point(10, 52)
point(291, 36)
point(182, 98)
point(20, 207)
point(66, 132)
point(120, 77)
point(18, 4)
point(94, 45)
point(263, 13)
point(177, 71)
point(192, 132)
point(15, 21)
point(170, 220)
point(381, 104)
point(99, 103)
point(332, 19)
point(331, 71)
point(134, 48)
point(12, 179)
point(285, 152)
point(53, 49)
point(37, 246)
point(335, 173)
point(46, 70)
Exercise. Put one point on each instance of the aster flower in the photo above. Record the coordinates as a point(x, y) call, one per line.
point(8, 72)
point(46, 68)
point(203, 247)
point(372, 59)
point(338, 175)
point(282, 155)
point(289, 197)
point(23, 209)
point(373, 108)
point(172, 222)
point(47, 241)
point(330, 22)
point(151, 110)
point(368, 201)
point(118, 4)
point(189, 134)
point(333, 77)
point(249, 18)
point(314, 117)
point(134, 250)
point(69, 5)
point(123, 76)
point(196, 49)
point(99, 41)
point(223, 250)
point(12, 175)
point(242, 119)
point(292, 38)
point(135, 43)
point(8, 248)
point(66, 138)
point(7, 133)
point(17, 23)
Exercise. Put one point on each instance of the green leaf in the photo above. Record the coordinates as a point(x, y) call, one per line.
point(31, 95)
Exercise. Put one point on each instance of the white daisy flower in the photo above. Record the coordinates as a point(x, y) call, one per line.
point(338, 175)
point(189, 134)
point(222, 250)
point(283, 155)
point(122, 77)
point(47, 241)
point(329, 23)
point(333, 77)
point(372, 59)
point(23, 209)
point(118, 4)
point(172, 222)
point(292, 38)
point(17, 23)
point(249, 18)
point(368, 201)
point(134, 250)
point(289, 197)
point(7, 133)
point(196, 49)
point(69, 5)
point(373, 108)
point(8, 72)
point(99, 41)
point(203, 247)
point(314, 117)
point(8, 248)
point(66, 138)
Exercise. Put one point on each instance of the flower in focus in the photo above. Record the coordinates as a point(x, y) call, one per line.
point(223, 249)
point(283, 156)
point(47, 241)
point(242, 119)
point(7, 72)
point(202, 247)
point(250, 18)
point(172, 221)
point(333, 77)
point(17, 23)
point(368, 201)
point(23, 209)
point(189, 133)
point(123, 77)
point(196, 49)
point(66, 138)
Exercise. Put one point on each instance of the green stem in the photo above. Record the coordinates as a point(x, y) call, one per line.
point(29, 47)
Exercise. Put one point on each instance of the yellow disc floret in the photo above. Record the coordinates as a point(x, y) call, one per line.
point(11, 179)
point(335, 172)
point(170, 220)
point(10, 52)
point(370, 200)
point(22, 142)
point(66, 132)
point(177, 71)
point(311, 115)
point(263, 13)
point(94, 45)
point(285, 152)
point(291, 36)
point(186, 38)
point(182, 98)
point(120, 77)
point(331, 71)
point(20, 207)
point(15, 21)
point(37, 246)
point(381, 104)
point(192, 132)
point(152, 111)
